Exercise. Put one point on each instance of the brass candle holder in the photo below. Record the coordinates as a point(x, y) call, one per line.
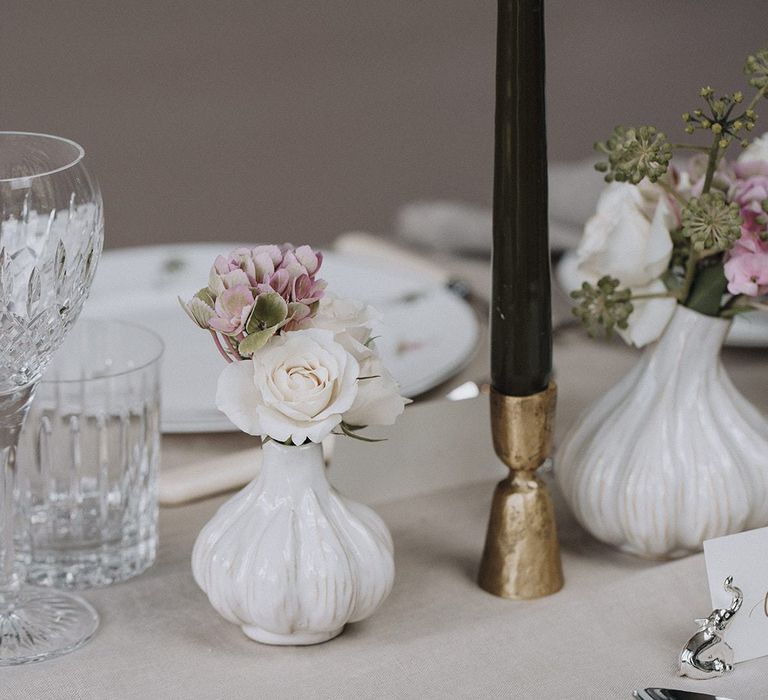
point(521, 559)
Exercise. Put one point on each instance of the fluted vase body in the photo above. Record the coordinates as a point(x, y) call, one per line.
point(289, 559)
point(673, 454)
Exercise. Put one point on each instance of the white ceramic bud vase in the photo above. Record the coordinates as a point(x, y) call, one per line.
point(673, 454)
point(290, 560)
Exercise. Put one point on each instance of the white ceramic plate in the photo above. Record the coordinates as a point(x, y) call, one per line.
point(748, 330)
point(428, 332)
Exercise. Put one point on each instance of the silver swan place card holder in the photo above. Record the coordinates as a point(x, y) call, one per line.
point(706, 654)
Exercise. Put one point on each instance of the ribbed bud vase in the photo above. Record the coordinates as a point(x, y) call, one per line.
point(290, 560)
point(673, 454)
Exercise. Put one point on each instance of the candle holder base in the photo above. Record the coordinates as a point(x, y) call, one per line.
point(521, 559)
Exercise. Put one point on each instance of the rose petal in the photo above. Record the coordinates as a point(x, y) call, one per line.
point(238, 397)
point(650, 316)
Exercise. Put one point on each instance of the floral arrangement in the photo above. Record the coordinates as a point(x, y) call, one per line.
point(665, 233)
point(301, 363)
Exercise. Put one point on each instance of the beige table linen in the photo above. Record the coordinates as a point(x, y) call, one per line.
point(617, 625)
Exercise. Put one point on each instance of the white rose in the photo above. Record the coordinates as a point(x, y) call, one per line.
point(754, 159)
point(297, 387)
point(621, 240)
point(649, 317)
point(351, 322)
point(378, 399)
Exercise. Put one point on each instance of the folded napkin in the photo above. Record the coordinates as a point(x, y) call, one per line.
point(208, 477)
point(455, 226)
point(221, 473)
point(470, 278)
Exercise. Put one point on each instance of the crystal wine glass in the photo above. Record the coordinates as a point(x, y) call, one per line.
point(51, 233)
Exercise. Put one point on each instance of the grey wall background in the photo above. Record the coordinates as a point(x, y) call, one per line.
point(296, 120)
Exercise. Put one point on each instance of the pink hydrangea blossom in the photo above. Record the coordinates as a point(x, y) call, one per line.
point(238, 279)
point(232, 309)
point(750, 194)
point(747, 271)
point(746, 265)
point(751, 241)
point(289, 271)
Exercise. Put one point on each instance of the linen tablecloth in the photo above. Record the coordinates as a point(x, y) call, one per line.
point(617, 625)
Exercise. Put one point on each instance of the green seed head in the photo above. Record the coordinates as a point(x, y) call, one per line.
point(711, 223)
point(634, 154)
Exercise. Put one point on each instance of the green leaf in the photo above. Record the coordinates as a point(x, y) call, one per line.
point(708, 289)
point(736, 310)
point(256, 341)
point(298, 311)
point(349, 431)
point(269, 310)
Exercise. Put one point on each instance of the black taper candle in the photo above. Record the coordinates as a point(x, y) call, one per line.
point(521, 315)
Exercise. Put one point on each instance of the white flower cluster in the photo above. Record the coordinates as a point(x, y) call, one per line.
point(305, 383)
point(629, 239)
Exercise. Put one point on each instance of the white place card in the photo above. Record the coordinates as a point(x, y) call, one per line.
point(745, 557)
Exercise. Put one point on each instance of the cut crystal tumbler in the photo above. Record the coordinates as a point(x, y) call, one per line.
point(88, 459)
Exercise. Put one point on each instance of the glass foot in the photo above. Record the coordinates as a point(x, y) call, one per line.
point(41, 623)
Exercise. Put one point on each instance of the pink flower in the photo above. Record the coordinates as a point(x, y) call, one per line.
point(232, 309)
point(300, 261)
point(754, 161)
point(280, 282)
point(239, 259)
point(307, 290)
point(238, 280)
point(310, 259)
point(751, 241)
point(271, 251)
point(750, 194)
point(263, 266)
point(747, 271)
point(234, 271)
point(294, 278)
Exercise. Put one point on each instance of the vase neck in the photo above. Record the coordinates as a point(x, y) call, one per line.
point(288, 470)
point(691, 338)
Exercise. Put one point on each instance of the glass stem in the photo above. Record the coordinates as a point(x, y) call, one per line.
point(14, 406)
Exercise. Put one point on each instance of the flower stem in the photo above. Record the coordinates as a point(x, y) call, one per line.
point(690, 273)
point(709, 286)
point(714, 150)
point(758, 96)
point(739, 304)
point(223, 352)
point(672, 192)
point(735, 310)
point(232, 347)
point(657, 295)
point(689, 147)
